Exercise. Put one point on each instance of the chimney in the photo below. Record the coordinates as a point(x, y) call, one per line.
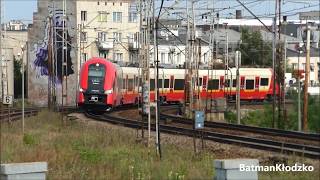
point(238, 14)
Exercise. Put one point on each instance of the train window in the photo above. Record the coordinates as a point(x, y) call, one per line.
point(96, 71)
point(130, 84)
point(123, 83)
point(264, 82)
point(140, 81)
point(234, 83)
point(136, 81)
point(213, 84)
point(160, 83)
point(204, 85)
point(249, 84)
point(200, 82)
point(228, 83)
point(179, 84)
point(151, 84)
point(166, 83)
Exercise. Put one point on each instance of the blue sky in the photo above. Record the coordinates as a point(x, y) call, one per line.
point(18, 9)
point(23, 9)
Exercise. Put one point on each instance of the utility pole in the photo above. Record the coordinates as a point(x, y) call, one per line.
point(238, 99)
point(299, 89)
point(284, 69)
point(64, 68)
point(274, 72)
point(156, 73)
point(1, 84)
point(280, 71)
point(306, 82)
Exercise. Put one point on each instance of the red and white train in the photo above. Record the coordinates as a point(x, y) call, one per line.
point(106, 85)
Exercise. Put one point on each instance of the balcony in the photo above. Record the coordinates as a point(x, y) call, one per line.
point(133, 45)
point(104, 45)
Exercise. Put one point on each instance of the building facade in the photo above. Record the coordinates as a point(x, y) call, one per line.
point(107, 29)
point(93, 28)
point(14, 25)
point(298, 61)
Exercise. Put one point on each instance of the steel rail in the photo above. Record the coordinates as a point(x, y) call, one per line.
point(252, 129)
point(256, 143)
point(17, 115)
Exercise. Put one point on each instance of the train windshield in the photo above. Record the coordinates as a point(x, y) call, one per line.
point(96, 71)
point(96, 78)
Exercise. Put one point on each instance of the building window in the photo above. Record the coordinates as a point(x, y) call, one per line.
point(117, 36)
point(84, 57)
point(118, 57)
point(102, 36)
point(311, 67)
point(83, 37)
point(117, 17)
point(98, 3)
point(103, 16)
point(205, 57)
point(130, 37)
point(295, 66)
point(83, 15)
point(151, 56)
point(163, 56)
point(105, 3)
point(178, 58)
point(103, 54)
point(170, 57)
point(133, 17)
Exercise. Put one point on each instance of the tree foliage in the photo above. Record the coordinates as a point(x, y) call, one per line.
point(18, 79)
point(254, 51)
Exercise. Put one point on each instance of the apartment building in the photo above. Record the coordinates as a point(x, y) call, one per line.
point(14, 25)
point(107, 29)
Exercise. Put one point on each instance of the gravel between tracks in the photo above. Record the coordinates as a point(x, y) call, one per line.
point(220, 151)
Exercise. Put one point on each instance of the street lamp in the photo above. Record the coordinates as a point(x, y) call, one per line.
point(20, 56)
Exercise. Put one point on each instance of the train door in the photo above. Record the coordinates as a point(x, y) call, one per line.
point(242, 80)
point(171, 83)
point(257, 83)
point(221, 83)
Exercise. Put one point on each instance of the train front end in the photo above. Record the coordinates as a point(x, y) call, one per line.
point(95, 85)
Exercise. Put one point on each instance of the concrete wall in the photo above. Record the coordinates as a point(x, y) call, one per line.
point(14, 40)
point(7, 87)
point(37, 53)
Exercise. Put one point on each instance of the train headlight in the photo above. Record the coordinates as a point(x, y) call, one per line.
point(108, 91)
point(81, 90)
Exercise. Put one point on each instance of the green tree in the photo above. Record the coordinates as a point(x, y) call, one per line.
point(254, 51)
point(18, 79)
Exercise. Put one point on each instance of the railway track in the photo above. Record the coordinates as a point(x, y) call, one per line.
point(256, 143)
point(15, 114)
point(251, 129)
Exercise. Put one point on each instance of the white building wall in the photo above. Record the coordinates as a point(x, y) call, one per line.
point(93, 25)
point(314, 67)
point(7, 72)
point(178, 54)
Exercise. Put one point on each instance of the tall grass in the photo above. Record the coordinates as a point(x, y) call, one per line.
point(87, 151)
point(81, 150)
point(264, 117)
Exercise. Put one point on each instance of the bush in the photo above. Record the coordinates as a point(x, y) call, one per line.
point(29, 139)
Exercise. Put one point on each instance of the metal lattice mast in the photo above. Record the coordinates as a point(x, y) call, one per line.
point(1, 85)
point(64, 68)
